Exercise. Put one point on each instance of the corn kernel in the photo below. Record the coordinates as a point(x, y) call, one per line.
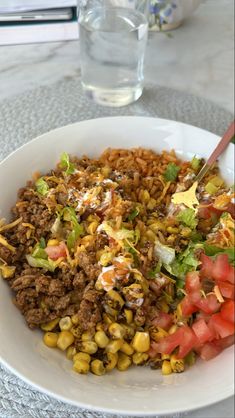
point(185, 231)
point(76, 331)
point(164, 307)
point(65, 323)
point(87, 336)
point(75, 319)
point(89, 347)
point(81, 366)
point(158, 335)
point(107, 319)
point(111, 362)
point(129, 330)
point(65, 339)
point(49, 326)
point(70, 353)
point(106, 258)
point(129, 315)
point(139, 358)
point(177, 365)
point(82, 356)
point(166, 367)
point(124, 362)
point(165, 356)
point(141, 342)
point(172, 230)
point(116, 298)
point(97, 367)
point(172, 329)
point(50, 339)
point(114, 345)
point(101, 339)
point(116, 330)
point(127, 349)
point(52, 242)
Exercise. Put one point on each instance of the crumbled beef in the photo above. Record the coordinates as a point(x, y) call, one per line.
point(23, 282)
point(89, 264)
point(79, 280)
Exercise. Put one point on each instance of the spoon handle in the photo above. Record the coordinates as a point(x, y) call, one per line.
point(228, 135)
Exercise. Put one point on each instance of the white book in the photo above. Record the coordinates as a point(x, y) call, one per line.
point(45, 32)
point(11, 6)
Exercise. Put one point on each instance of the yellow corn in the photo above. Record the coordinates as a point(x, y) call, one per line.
point(124, 362)
point(166, 367)
point(151, 204)
point(141, 342)
point(127, 349)
point(65, 339)
point(99, 326)
point(107, 319)
point(70, 353)
point(101, 339)
point(89, 347)
point(158, 334)
point(185, 231)
point(129, 330)
point(112, 359)
point(165, 357)
point(177, 365)
point(87, 336)
point(129, 315)
point(151, 235)
point(65, 323)
point(75, 319)
point(139, 358)
point(116, 330)
point(92, 218)
point(172, 329)
point(81, 366)
point(76, 331)
point(145, 196)
point(49, 326)
point(114, 345)
point(116, 298)
point(50, 339)
point(92, 227)
point(97, 367)
point(82, 356)
point(164, 307)
point(52, 242)
point(172, 230)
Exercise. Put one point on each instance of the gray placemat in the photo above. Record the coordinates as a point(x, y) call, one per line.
point(40, 110)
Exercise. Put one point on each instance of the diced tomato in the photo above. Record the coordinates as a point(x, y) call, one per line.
point(221, 268)
point(187, 306)
point(202, 331)
point(56, 251)
point(227, 310)
point(167, 344)
point(231, 275)
point(188, 342)
point(207, 266)
point(225, 342)
point(163, 320)
point(153, 351)
point(227, 289)
point(209, 351)
point(192, 282)
point(208, 304)
point(221, 326)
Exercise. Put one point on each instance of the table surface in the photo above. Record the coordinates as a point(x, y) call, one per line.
point(198, 58)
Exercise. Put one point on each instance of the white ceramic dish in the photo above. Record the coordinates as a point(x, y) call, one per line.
point(139, 391)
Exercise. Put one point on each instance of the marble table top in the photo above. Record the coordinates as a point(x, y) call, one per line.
point(198, 58)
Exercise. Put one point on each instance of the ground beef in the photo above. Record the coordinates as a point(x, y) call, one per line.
point(23, 282)
point(90, 308)
point(89, 264)
point(79, 280)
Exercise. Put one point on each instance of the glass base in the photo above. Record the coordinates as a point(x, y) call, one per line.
point(113, 97)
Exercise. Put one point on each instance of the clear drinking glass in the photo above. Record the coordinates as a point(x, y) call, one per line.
point(113, 37)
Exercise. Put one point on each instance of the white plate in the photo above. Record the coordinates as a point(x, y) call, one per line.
point(139, 391)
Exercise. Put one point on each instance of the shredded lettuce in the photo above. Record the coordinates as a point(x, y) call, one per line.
point(171, 172)
point(164, 253)
point(188, 218)
point(212, 250)
point(42, 243)
point(65, 163)
point(39, 252)
point(119, 235)
point(195, 163)
point(42, 186)
point(184, 262)
point(133, 214)
point(152, 273)
point(41, 263)
point(69, 214)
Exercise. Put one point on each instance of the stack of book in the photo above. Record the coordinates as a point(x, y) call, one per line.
point(30, 21)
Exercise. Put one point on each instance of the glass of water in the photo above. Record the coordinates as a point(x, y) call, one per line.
point(113, 37)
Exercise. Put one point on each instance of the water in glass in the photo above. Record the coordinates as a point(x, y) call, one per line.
point(113, 41)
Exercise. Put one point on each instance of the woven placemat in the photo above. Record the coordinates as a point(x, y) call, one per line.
point(35, 112)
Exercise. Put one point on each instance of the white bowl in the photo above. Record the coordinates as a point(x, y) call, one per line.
point(139, 391)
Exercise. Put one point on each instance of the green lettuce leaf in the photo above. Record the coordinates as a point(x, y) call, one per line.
point(69, 215)
point(188, 218)
point(212, 250)
point(65, 163)
point(133, 214)
point(195, 163)
point(171, 172)
point(42, 186)
point(48, 265)
point(184, 262)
